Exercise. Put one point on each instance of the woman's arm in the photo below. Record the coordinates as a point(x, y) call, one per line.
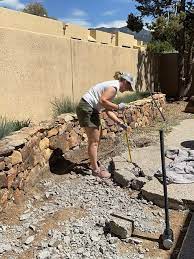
point(108, 95)
point(113, 117)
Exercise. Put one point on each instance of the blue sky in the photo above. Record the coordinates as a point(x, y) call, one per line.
point(88, 13)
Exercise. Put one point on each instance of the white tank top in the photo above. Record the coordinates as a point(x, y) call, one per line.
point(93, 95)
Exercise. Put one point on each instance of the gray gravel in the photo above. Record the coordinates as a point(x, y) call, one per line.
point(84, 237)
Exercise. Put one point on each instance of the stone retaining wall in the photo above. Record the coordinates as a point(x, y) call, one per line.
point(24, 154)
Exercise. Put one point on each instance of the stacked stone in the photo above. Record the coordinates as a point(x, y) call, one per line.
point(25, 153)
point(138, 114)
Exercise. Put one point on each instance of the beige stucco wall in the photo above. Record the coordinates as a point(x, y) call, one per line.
point(124, 39)
point(23, 21)
point(36, 68)
point(94, 63)
point(39, 61)
point(103, 37)
point(75, 31)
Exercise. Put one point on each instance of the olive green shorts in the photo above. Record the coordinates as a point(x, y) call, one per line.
point(87, 116)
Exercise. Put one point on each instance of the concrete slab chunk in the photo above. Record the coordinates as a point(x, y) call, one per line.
point(120, 227)
point(122, 171)
point(138, 183)
point(123, 177)
point(180, 195)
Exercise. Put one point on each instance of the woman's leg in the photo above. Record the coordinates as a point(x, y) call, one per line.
point(93, 135)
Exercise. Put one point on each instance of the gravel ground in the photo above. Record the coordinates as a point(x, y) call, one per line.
point(64, 217)
point(67, 220)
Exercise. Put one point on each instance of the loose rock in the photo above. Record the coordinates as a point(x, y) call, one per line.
point(119, 227)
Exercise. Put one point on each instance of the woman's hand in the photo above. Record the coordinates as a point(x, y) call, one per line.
point(121, 106)
point(123, 125)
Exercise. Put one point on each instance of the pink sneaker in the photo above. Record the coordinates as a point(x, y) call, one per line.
point(101, 173)
point(101, 166)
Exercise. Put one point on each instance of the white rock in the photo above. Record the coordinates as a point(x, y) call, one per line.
point(45, 254)
point(29, 240)
point(25, 216)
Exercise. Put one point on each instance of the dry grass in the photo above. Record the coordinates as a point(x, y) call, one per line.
point(174, 114)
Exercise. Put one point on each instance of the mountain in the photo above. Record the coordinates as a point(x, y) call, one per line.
point(143, 35)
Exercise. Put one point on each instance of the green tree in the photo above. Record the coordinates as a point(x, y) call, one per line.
point(171, 27)
point(134, 23)
point(36, 8)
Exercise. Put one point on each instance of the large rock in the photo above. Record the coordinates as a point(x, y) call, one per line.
point(31, 130)
point(67, 117)
point(61, 142)
point(47, 153)
point(109, 122)
point(27, 149)
point(120, 227)
point(52, 132)
point(44, 144)
point(73, 139)
point(62, 129)
point(33, 177)
point(2, 165)
point(15, 158)
point(17, 139)
point(11, 175)
point(3, 197)
point(5, 148)
point(35, 157)
point(46, 125)
point(3, 180)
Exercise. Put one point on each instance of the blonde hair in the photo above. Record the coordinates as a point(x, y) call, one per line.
point(117, 75)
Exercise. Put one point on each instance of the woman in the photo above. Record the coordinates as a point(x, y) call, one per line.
point(100, 97)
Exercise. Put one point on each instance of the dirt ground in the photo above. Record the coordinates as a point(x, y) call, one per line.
point(174, 113)
point(139, 138)
point(149, 242)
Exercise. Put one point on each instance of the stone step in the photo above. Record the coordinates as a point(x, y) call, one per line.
point(187, 249)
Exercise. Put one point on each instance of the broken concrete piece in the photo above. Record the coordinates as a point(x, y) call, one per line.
point(138, 183)
point(120, 162)
point(123, 177)
point(153, 191)
point(120, 227)
point(122, 171)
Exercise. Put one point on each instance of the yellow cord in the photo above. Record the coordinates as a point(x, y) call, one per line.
point(127, 139)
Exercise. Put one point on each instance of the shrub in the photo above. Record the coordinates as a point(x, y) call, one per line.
point(131, 97)
point(8, 126)
point(63, 105)
point(159, 47)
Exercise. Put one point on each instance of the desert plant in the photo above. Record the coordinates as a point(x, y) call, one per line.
point(8, 126)
point(63, 105)
point(131, 97)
